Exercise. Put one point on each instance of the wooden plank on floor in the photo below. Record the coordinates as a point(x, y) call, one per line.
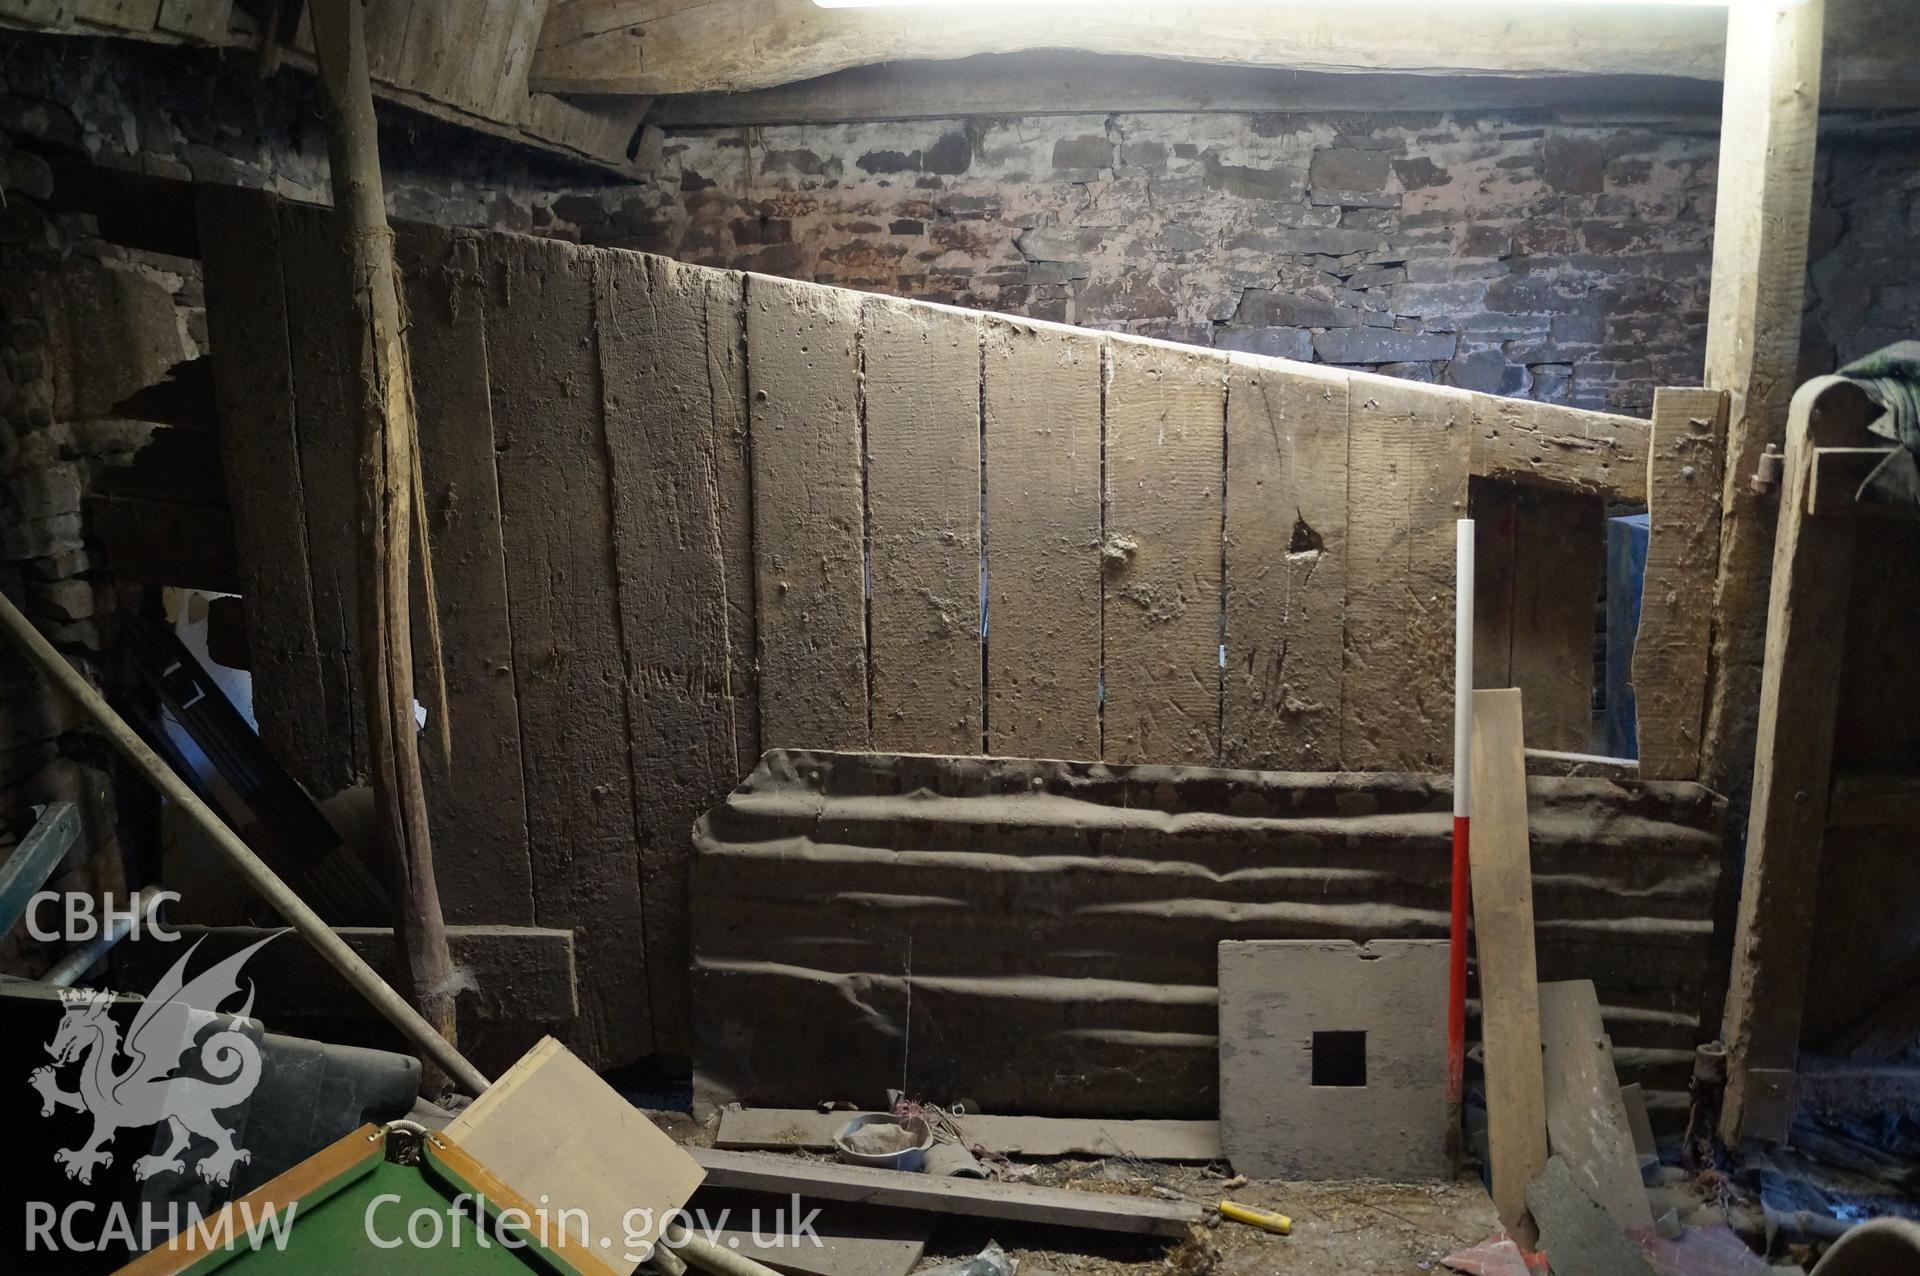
point(314, 274)
point(1043, 441)
point(260, 457)
point(1407, 460)
point(1581, 1236)
point(568, 664)
point(1161, 628)
point(798, 1129)
point(1559, 569)
point(1286, 586)
point(1502, 872)
point(808, 514)
point(844, 1240)
point(662, 428)
point(475, 797)
point(726, 365)
point(971, 1198)
point(1587, 1122)
point(921, 372)
point(1676, 603)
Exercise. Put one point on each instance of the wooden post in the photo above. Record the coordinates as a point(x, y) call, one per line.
point(1792, 773)
point(390, 497)
point(1769, 121)
point(1684, 486)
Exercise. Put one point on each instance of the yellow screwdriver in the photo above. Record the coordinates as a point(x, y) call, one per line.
point(1279, 1224)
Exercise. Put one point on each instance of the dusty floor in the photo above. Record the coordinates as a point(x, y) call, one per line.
point(1339, 1229)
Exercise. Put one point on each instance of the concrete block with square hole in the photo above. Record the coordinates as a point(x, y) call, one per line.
point(1333, 1058)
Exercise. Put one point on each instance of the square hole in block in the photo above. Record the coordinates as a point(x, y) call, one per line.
point(1340, 1058)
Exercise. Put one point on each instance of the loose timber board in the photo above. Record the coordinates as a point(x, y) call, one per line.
point(1502, 874)
point(1043, 445)
point(796, 1129)
point(921, 378)
point(808, 513)
point(1161, 627)
point(1587, 1122)
point(1286, 586)
point(972, 1198)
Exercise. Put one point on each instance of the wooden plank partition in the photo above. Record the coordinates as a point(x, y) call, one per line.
point(685, 515)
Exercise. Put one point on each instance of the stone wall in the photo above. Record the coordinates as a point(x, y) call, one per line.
point(1513, 254)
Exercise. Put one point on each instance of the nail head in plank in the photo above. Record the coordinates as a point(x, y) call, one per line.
point(1161, 640)
point(922, 378)
point(1286, 545)
point(1042, 390)
point(569, 669)
point(808, 513)
point(1502, 875)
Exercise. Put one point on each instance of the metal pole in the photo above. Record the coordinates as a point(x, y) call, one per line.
point(364, 978)
point(1462, 814)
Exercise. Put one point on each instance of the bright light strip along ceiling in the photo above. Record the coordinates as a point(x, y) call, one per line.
point(1278, 4)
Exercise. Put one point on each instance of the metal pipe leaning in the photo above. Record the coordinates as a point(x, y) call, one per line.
point(364, 978)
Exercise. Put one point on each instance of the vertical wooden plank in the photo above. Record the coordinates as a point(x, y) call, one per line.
point(1770, 121)
point(1494, 506)
point(476, 799)
point(569, 670)
point(1683, 553)
point(662, 428)
point(260, 454)
point(315, 278)
point(922, 378)
point(1286, 578)
point(1559, 567)
point(1165, 474)
point(1792, 777)
point(726, 365)
point(1587, 1124)
point(1042, 391)
point(808, 514)
point(1407, 461)
point(1502, 873)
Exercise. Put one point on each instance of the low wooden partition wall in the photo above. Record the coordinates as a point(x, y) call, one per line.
point(681, 515)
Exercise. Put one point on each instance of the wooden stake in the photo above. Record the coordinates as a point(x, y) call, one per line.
point(390, 496)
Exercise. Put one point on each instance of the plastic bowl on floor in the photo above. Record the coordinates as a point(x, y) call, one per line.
point(885, 1142)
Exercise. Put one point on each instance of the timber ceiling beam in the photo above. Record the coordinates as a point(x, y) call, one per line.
point(759, 60)
point(687, 46)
